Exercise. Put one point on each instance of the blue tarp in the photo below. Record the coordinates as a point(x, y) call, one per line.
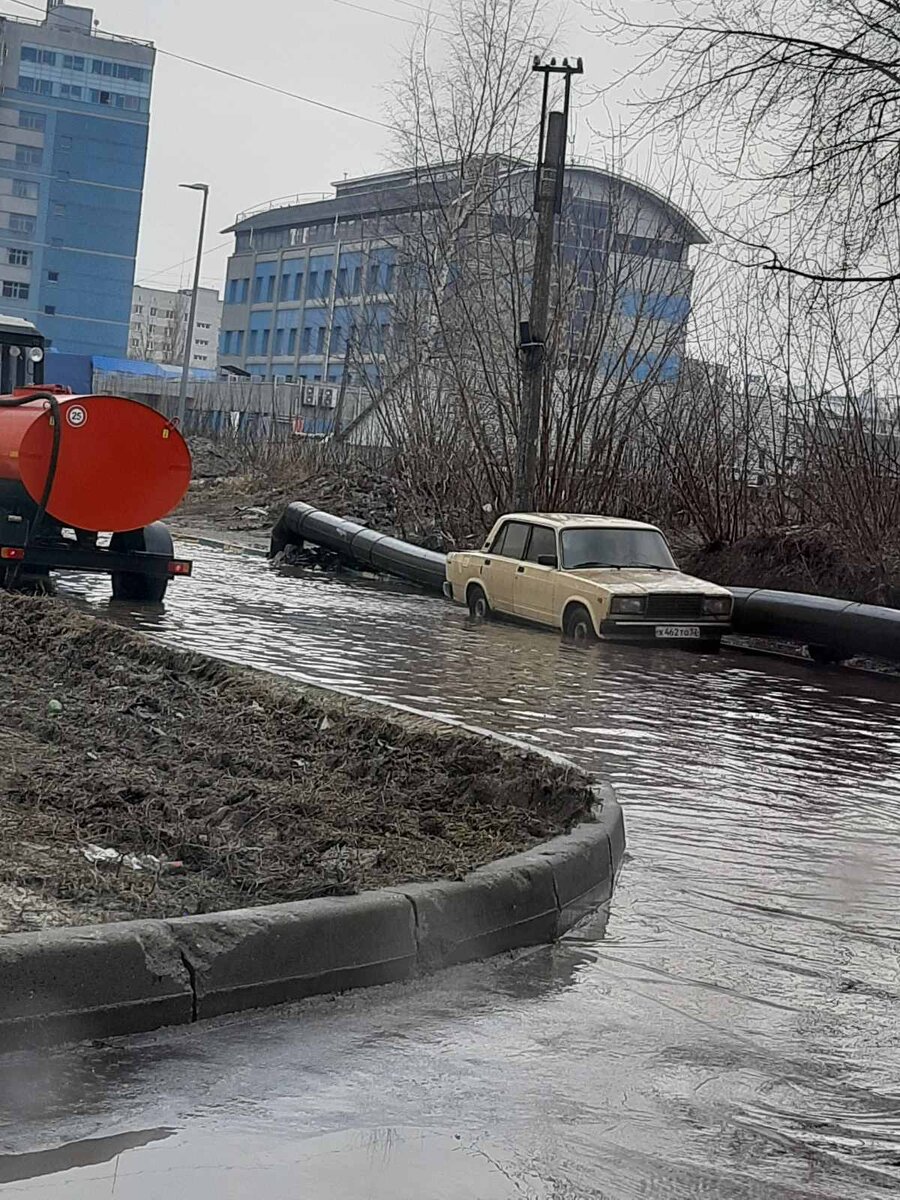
point(134, 366)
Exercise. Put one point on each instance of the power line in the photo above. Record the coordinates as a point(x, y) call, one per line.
point(378, 12)
point(269, 87)
point(182, 262)
point(375, 12)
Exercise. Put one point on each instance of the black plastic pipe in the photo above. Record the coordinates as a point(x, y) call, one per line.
point(360, 545)
point(840, 627)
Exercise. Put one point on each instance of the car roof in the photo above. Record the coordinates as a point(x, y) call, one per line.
point(578, 520)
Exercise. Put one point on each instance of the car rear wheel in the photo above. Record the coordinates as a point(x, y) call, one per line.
point(825, 656)
point(578, 626)
point(479, 608)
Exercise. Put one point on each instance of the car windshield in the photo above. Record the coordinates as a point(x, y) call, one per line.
point(609, 547)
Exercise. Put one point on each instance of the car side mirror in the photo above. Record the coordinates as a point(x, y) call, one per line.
point(547, 560)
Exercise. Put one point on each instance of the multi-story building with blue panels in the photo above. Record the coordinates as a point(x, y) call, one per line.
point(305, 276)
point(74, 115)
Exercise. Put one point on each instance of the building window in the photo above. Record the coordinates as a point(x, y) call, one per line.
point(59, 210)
point(53, 276)
point(306, 340)
point(258, 344)
point(73, 62)
point(64, 143)
point(138, 308)
point(41, 87)
point(28, 156)
point(326, 284)
point(71, 91)
point(19, 258)
point(50, 310)
point(24, 189)
point(37, 54)
point(298, 286)
point(153, 312)
point(285, 287)
point(21, 223)
point(119, 70)
point(313, 285)
point(13, 290)
point(201, 342)
point(203, 325)
point(32, 120)
point(264, 289)
point(292, 342)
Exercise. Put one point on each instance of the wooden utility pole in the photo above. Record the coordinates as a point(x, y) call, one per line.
point(548, 193)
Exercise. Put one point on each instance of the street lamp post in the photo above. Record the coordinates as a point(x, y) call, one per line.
point(192, 314)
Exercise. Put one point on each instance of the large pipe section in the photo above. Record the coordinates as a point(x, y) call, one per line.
point(359, 544)
point(841, 628)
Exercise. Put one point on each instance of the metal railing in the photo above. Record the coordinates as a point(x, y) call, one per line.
point(281, 202)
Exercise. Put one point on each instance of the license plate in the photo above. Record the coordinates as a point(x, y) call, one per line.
point(677, 631)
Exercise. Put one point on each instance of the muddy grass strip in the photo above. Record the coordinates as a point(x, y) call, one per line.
point(137, 780)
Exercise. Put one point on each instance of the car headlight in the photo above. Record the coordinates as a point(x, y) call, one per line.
point(627, 604)
point(717, 606)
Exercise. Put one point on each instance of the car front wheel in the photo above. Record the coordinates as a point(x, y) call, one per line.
point(578, 626)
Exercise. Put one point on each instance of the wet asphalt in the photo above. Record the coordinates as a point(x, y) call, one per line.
point(730, 1028)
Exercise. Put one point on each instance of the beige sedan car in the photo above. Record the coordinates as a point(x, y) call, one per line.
point(591, 577)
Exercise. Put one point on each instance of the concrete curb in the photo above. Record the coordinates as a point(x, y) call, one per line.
point(130, 977)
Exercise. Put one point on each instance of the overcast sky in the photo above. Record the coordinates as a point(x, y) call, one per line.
point(251, 145)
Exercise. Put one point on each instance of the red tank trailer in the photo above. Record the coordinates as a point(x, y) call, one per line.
point(72, 467)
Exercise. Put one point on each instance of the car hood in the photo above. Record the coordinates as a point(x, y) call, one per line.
point(634, 581)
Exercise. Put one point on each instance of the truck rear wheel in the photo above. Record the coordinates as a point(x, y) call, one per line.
point(132, 585)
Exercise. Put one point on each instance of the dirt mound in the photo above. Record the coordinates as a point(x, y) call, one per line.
point(140, 781)
point(797, 560)
point(212, 460)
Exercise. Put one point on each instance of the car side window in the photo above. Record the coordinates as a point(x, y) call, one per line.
point(542, 544)
point(510, 541)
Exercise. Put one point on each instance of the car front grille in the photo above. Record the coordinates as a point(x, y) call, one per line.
point(660, 604)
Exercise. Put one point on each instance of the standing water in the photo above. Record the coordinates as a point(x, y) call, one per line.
point(732, 1030)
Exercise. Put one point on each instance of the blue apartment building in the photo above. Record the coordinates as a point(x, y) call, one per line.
point(74, 117)
point(304, 275)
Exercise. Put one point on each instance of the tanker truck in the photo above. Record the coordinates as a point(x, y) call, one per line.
point(76, 468)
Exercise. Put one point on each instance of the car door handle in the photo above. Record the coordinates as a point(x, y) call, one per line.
point(487, 562)
point(520, 570)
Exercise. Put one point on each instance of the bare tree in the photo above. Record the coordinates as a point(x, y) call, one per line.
point(800, 98)
point(446, 381)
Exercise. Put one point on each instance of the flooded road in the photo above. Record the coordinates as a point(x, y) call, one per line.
point(732, 1031)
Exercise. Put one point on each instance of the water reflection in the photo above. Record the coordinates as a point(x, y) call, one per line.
point(734, 1034)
